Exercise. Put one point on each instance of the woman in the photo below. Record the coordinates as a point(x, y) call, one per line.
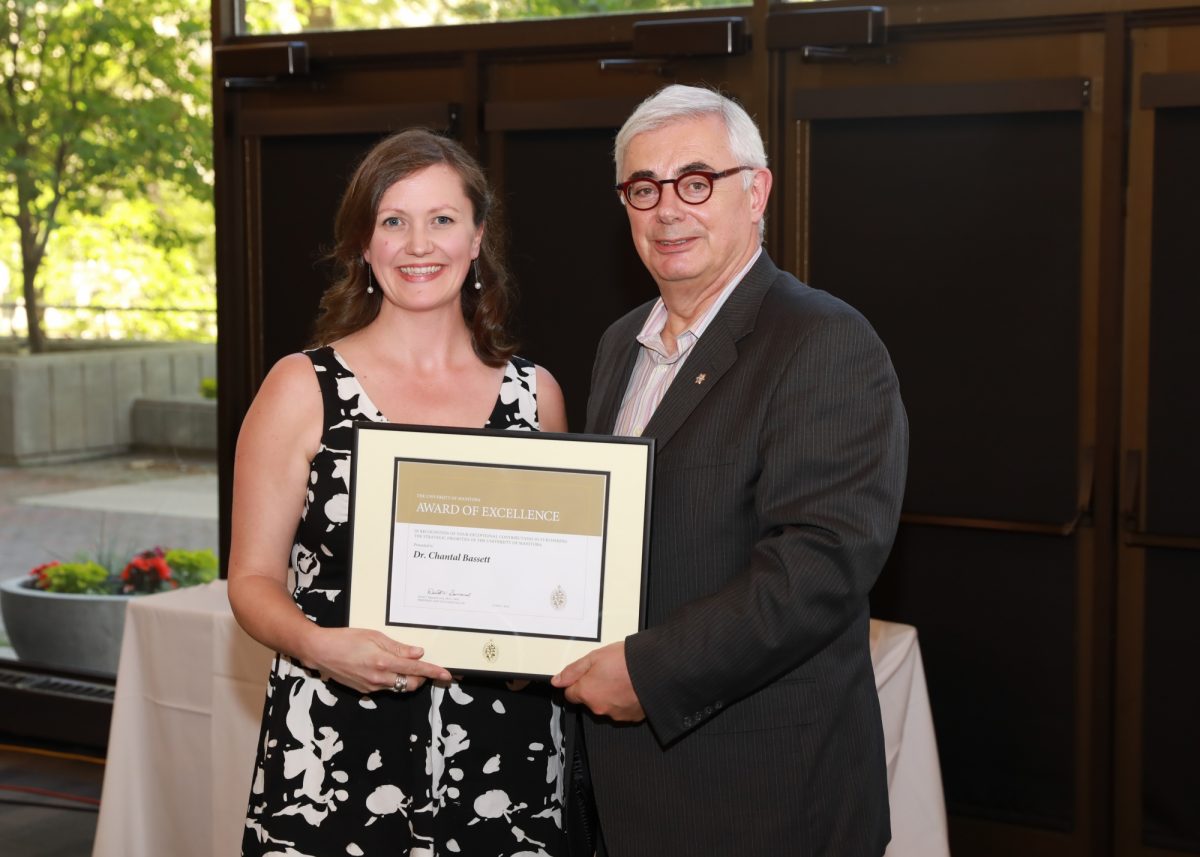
point(365, 748)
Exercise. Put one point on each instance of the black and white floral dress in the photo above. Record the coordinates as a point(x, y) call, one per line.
point(475, 769)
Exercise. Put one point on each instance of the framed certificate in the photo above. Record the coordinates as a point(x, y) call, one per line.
point(498, 552)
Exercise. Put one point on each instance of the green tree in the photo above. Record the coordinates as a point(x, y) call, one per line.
point(143, 255)
point(290, 16)
point(97, 97)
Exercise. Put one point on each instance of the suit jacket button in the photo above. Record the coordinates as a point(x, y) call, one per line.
point(718, 705)
point(708, 710)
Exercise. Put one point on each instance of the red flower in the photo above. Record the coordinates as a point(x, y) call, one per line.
point(39, 574)
point(148, 572)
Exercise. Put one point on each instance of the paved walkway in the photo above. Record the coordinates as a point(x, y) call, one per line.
point(107, 507)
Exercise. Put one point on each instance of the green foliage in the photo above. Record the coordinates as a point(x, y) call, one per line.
point(192, 567)
point(152, 570)
point(81, 578)
point(101, 99)
point(483, 10)
point(104, 95)
point(208, 388)
point(274, 16)
point(154, 253)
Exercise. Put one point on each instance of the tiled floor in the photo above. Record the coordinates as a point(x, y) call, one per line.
point(181, 496)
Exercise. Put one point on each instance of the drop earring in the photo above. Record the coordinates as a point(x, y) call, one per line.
point(475, 265)
point(370, 281)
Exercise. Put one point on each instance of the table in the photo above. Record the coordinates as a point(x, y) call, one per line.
point(914, 776)
point(189, 700)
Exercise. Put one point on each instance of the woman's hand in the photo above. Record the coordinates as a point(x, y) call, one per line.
point(368, 661)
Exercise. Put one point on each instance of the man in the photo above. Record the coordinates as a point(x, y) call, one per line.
point(744, 719)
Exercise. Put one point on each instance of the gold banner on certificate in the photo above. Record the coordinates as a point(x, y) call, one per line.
point(505, 552)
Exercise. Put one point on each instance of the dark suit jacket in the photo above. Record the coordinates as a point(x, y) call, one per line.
point(780, 465)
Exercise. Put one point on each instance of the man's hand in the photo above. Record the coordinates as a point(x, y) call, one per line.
point(600, 680)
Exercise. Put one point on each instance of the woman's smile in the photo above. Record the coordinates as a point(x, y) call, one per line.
point(419, 272)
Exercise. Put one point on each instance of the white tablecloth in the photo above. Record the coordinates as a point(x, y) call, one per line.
point(914, 777)
point(190, 695)
point(189, 700)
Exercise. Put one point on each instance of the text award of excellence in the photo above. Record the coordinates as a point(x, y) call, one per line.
point(498, 552)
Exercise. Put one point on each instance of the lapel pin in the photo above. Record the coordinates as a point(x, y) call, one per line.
point(701, 378)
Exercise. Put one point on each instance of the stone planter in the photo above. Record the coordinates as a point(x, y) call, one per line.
point(74, 632)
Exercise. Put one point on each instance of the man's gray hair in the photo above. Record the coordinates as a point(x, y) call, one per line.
point(676, 103)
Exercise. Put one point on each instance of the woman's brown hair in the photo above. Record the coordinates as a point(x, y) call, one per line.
point(346, 306)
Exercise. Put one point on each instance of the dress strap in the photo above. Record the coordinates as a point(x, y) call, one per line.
point(516, 407)
point(526, 370)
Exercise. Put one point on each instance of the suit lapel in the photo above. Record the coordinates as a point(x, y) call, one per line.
point(712, 356)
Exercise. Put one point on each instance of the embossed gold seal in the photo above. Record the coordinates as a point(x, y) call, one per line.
point(491, 651)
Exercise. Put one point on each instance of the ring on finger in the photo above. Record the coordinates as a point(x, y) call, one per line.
point(400, 685)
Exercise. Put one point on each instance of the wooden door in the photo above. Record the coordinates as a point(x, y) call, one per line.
point(949, 185)
point(1158, 700)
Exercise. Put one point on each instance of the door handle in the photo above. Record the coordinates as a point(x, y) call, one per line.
point(1133, 530)
point(259, 64)
point(1131, 483)
point(657, 42)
